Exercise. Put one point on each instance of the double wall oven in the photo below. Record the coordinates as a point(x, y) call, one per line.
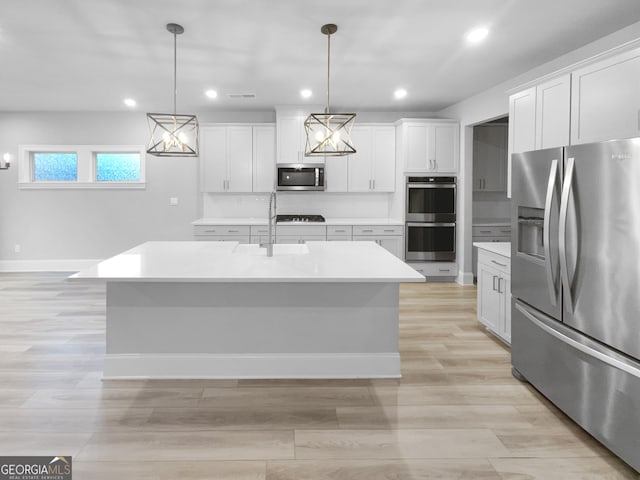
point(430, 219)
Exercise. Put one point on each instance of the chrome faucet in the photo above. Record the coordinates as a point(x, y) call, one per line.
point(272, 220)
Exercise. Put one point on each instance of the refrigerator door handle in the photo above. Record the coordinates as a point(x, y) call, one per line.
point(551, 189)
point(562, 241)
point(592, 349)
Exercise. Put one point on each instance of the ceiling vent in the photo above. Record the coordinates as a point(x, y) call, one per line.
point(241, 95)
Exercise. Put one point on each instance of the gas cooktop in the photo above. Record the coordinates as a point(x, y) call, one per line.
point(299, 218)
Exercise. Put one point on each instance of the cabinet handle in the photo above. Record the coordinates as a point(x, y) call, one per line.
point(367, 231)
point(506, 231)
point(485, 231)
point(234, 231)
point(444, 269)
point(374, 184)
point(498, 263)
point(210, 231)
point(340, 231)
point(494, 283)
point(391, 230)
point(499, 282)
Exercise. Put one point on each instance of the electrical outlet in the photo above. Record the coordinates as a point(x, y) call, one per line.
point(17, 248)
point(173, 201)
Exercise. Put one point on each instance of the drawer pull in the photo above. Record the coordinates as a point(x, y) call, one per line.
point(340, 231)
point(498, 263)
point(233, 231)
point(485, 231)
point(391, 230)
point(506, 231)
point(444, 270)
point(367, 231)
point(210, 231)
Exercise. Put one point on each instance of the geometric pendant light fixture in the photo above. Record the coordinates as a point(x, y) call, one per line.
point(329, 134)
point(173, 135)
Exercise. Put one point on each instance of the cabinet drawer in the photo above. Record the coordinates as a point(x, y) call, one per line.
point(257, 230)
point(495, 261)
point(221, 230)
point(378, 230)
point(340, 230)
point(436, 269)
point(491, 231)
point(301, 230)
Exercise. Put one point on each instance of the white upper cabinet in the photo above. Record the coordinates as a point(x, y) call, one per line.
point(372, 167)
point(237, 158)
point(429, 146)
point(291, 136)
point(553, 100)
point(522, 121)
point(336, 171)
point(605, 99)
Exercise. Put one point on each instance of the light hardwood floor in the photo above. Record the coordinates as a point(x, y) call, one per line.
point(457, 413)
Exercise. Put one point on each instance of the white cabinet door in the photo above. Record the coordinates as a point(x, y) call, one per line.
point(360, 170)
point(394, 245)
point(522, 126)
point(443, 148)
point(506, 305)
point(264, 158)
point(605, 99)
point(490, 158)
point(489, 298)
point(384, 159)
point(290, 133)
point(416, 145)
point(336, 174)
point(552, 112)
point(239, 159)
point(213, 159)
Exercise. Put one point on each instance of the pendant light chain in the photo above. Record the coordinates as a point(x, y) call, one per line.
point(329, 73)
point(175, 71)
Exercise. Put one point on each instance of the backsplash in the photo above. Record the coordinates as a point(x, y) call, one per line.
point(334, 205)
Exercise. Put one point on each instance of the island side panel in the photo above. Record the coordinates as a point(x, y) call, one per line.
point(252, 330)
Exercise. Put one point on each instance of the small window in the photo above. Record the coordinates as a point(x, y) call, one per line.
point(55, 167)
point(118, 167)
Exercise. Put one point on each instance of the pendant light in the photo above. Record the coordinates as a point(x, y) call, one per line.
point(173, 135)
point(329, 134)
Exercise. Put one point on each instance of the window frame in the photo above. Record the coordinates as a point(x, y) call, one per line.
point(87, 167)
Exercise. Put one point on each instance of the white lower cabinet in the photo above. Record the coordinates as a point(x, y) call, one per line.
point(494, 293)
point(222, 233)
point(300, 233)
point(435, 271)
point(488, 233)
point(389, 237)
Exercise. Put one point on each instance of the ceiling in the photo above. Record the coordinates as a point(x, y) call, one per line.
point(88, 55)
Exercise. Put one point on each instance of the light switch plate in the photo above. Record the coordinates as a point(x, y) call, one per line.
point(173, 201)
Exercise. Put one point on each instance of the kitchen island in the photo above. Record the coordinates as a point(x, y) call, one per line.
point(226, 310)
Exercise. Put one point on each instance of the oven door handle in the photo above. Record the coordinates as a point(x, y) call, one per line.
point(431, 185)
point(430, 224)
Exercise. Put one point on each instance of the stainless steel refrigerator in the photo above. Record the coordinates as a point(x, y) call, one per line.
point(575, 273)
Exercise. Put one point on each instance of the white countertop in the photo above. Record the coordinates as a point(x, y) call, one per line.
point(328, 221)
point(194, 261)
point(500, 248)
point(490, 222)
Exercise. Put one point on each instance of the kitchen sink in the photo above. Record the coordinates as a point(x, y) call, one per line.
point(278, 249)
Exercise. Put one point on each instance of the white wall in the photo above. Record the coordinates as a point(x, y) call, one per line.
point(494, 103)
point(90, 224)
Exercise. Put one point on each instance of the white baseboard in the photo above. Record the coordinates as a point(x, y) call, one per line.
point(243, 366)
point(465, 278)
point(66, 265)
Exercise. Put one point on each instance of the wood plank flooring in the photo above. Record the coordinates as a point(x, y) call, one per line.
point(457, 413)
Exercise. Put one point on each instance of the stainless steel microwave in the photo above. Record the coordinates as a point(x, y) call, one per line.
point(300, 176)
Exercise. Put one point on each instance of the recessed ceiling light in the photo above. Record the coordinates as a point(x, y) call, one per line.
point(306, 93)
point(211, 94)
point(129, 102)
point(477, 34)
point(400, 93)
